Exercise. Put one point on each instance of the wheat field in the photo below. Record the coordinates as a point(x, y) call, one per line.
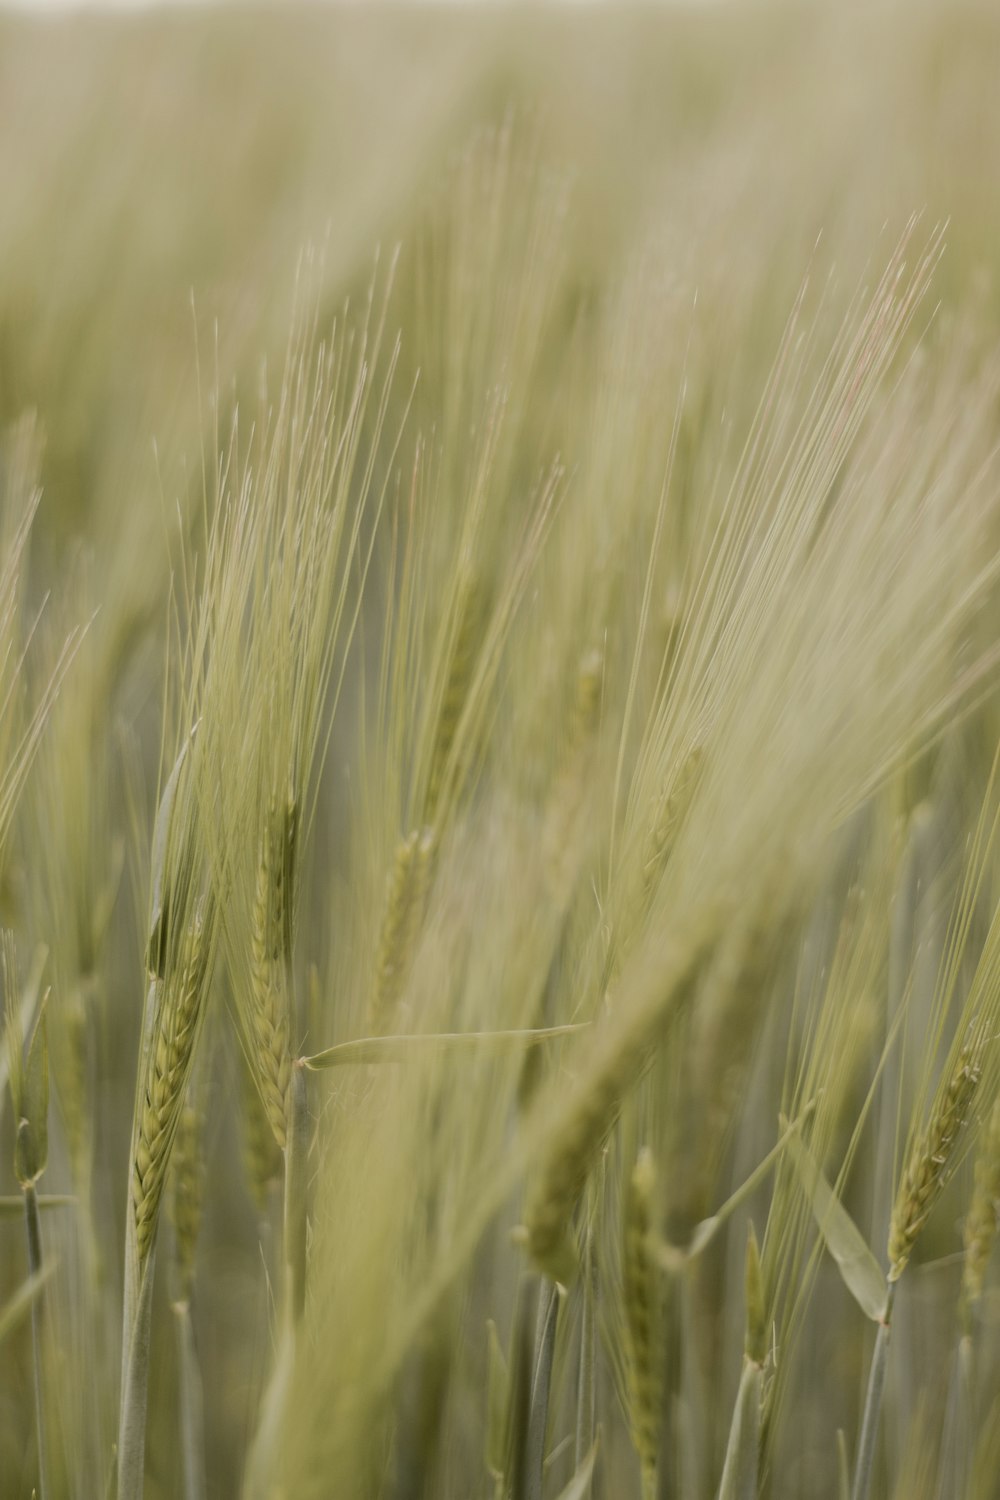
point(499, 734)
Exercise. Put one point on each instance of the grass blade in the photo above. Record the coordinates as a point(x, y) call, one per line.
point(857, 1265)
point(579, 1486)
point(379, 1049)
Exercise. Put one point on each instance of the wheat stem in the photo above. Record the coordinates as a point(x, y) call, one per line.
point(873, 1404)
point(191, 1405)
point(135, 1380)
point(173, 1014)
point(296, 1192)
point(541, 1382)
point(586, 1391)
point(34, 1236)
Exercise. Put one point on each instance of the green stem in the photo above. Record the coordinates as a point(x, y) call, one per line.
point(959, 1428)
point(742, 1461)
point(34, 1232)
point(538, 1414)
point(136, 1320)
point(266, 1446)
point(296, 1192)
point(873, 1404)
point(135, 1380)
point(191, 1399)
point(586, 1406)
point(693, 1397)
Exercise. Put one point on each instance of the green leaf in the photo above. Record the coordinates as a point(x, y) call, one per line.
point(380, 1049)
point(857, 1265)
point(579, 1485)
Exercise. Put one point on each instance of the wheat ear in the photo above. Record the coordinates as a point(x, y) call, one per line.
point(643, 1319)
point(461, 664)
point(271, 1057)
point(187, 1195)
point(617, 1055)
point(984, 1211)
point(167, 1066)
point(408, 884)
point(262, 1159)
point(931, 1162)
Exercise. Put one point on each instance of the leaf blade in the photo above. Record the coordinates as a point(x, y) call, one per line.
point(579, 1485)
point(859, 1269)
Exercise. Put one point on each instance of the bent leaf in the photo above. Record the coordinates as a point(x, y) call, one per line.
point(579, 1485)
point(857, 1265)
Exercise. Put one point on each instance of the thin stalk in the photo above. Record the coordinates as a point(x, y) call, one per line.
point(586, 1392)
point(742, 1461)
point(519, 1398)
point(693, 1403)
point(136, 1317)
point(135, 1379)
point(191, 1406)
point(873, 1404)
point(34, 1233)
point(296, 1192)
point(958, 1434)
point(538, 1416)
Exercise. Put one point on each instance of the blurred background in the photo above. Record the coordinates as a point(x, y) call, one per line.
point(161, 173)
